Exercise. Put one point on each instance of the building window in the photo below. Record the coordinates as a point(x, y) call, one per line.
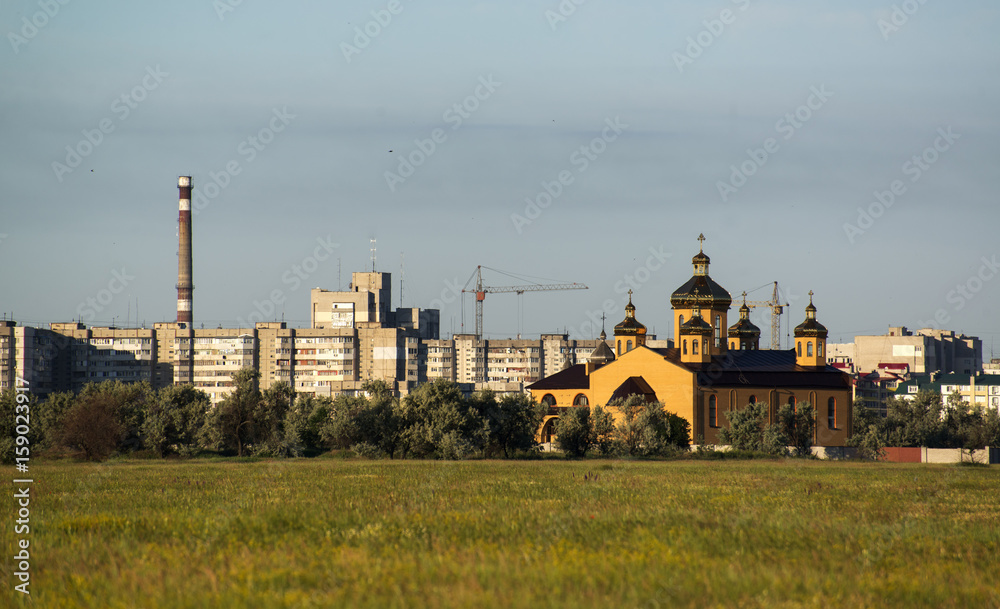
point(548, 430)
point(791, 402)
point(809, 349)
point(831, 413)
point(680, 321)
point(713, 412)
point(619, 347)
point(581, 400)
point(694, 346)
point(799, 345)
point(732, 345)
point(549, 400)
point(704, 346)
point(628, 346)
point(753, 399)
point(685, 351)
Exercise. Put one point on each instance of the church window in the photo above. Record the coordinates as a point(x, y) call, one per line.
point(704, 346)
point(680, 321)
point(791, 402)
point(549, 400)
point(718, 330)
point(694, 346)
point(713, 412)
point(685, 347)
point(831, 413)
point(753, 399)
point(619, 347)
point(628, 346)
point(809, 349)
point(581, 400)
point(799, 344)
point(548, 430)
point(732, 345)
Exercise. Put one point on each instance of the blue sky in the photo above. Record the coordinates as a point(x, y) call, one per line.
point(840, 96)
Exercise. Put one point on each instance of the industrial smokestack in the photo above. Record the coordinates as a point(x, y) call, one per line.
point(185, 290)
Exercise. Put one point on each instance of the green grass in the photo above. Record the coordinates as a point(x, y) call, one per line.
point(349, 533)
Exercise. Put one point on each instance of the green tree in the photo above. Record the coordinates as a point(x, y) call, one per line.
point(230, 426)
point(380, 422)
point(439, 422)
point(512, 422)
point(340, 430)
point(11, 418)
point(868, 433)
point(748, 430)
point(575, 431)
point(602, 430)
point(303, 425)
point(680, 430)
point(269, 437)
point(796, 426)
point(174, 420)
point(47, 418)
point(92, 427)
point(646, 429)
point(916, 422)
point(129, 402)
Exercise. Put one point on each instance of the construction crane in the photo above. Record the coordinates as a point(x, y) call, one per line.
point(776, 310)
point(482, 290)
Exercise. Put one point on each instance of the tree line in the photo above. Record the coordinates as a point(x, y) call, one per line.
point(436, 420)
point(928, 421)
point(433, 421)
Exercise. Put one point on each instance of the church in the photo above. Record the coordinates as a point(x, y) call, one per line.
point(713, 368)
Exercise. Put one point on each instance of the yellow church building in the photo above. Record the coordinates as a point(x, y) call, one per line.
point(711, 369)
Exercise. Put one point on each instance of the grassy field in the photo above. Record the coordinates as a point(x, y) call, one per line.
point(345, 533)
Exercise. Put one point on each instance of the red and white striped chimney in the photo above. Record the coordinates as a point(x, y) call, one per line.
point(185, 289)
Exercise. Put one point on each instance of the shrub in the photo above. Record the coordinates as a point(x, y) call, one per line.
point(92, 428)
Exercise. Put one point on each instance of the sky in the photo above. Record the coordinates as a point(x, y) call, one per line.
point(847, 147)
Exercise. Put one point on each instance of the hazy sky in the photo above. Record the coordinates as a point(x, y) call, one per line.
point(765, 125)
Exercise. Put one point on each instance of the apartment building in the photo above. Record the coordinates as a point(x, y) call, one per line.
point(353, 337)
point(8, 370)
point(928, 350)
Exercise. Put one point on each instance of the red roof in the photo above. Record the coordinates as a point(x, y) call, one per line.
point(894, 366)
